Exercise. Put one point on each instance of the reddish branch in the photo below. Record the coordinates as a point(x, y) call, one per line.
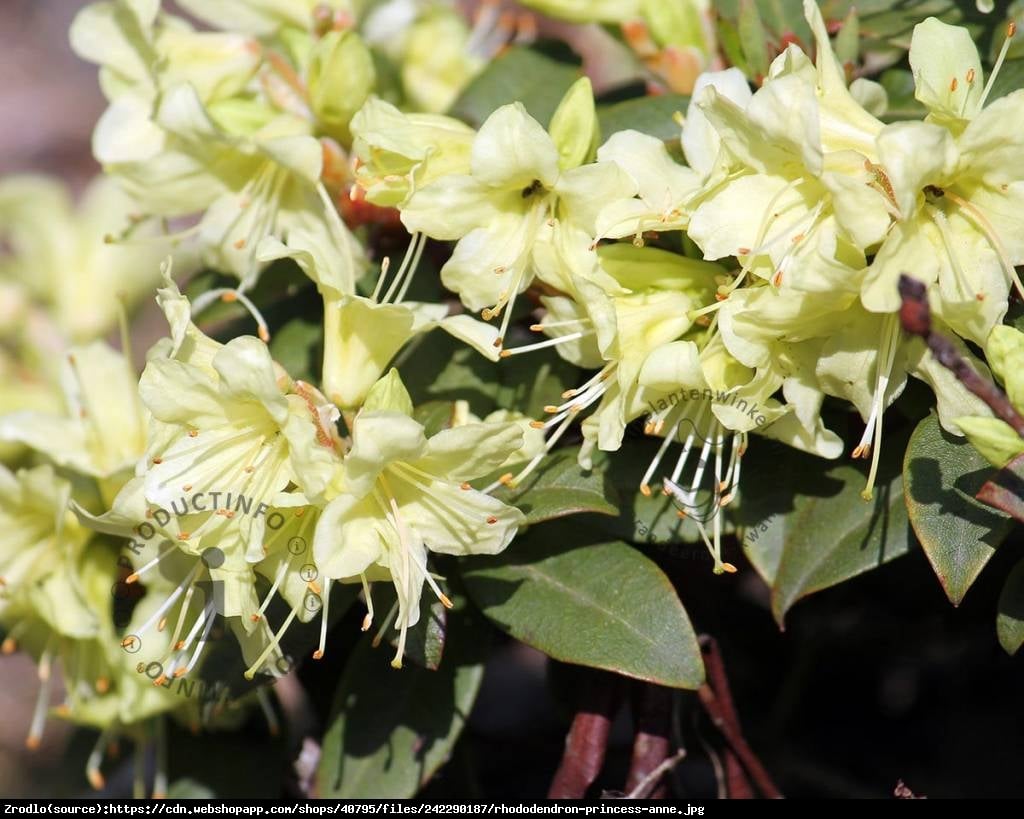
point(652, 714)
point(716, 698)
point(587, 741)
point(915, 316)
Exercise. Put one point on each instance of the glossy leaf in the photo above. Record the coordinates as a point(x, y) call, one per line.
point(519, 75)
point(293, 347)
point(560, 487)
point(603, 605)
point(649, 115)
point(942, 474)
point(390, 730)
point(813, 528)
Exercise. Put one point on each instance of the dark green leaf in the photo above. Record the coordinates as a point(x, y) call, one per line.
point(443, 368)
point(390, 730)
point(603, 605)
point(806, 525)
point(753, 38)
point(294, 346)
point(1011, 77)
point(649, 115)
point(942, 474)
point(1010, 620)
point(435, 416)
point(899, 86)
point(560, 487)
point(519, 75)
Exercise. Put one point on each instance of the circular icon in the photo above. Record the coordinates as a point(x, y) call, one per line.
point(312, 602)
point(309, 573)
point(132, 643)
point(213, 557)
point(297, 545)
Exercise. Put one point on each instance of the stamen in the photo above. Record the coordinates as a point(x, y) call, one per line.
point(160, 772)
point(319, 653)
point(385, 265)
point(990, 233)
point(886, 357)
point(95, 760)
point(403, 278)
point(368, 598)
point(551, 342)
point(250, 672)
point(230, 294)
point(269, 714)
point(1011, 29)
point(35, 731)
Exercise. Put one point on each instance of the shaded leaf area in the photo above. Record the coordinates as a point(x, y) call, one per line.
point(807, 528)
point(649, 115)
point(389, 730)
point(444, 369)
point(282, 293)
point(560, 487)
point(424, 642)
point(220, 675)
point(603, 605)
point(435, 416)
point(519, 75)
point(942, 474)
point(1004, 490)
point(1011, 78)
point(899, 87)
point(1010, 619)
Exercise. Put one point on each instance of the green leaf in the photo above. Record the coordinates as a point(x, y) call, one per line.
point(442, 368)
point(435, 416)
point(390, 730)
point(559, 487)
point(519, 75)
point(899, 86)
point(942, 473)
point(294, 346)
point(602, 605)
point(645, 519)
point(847, 42)
point(649, 115)
point(753, 38)
point(813, 528)
point(1010, 620)
point(1011, 77)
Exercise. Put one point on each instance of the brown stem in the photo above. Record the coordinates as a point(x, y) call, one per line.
point(652, 713)
point(915, 316)
point(587, 741)
point(716, 698)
